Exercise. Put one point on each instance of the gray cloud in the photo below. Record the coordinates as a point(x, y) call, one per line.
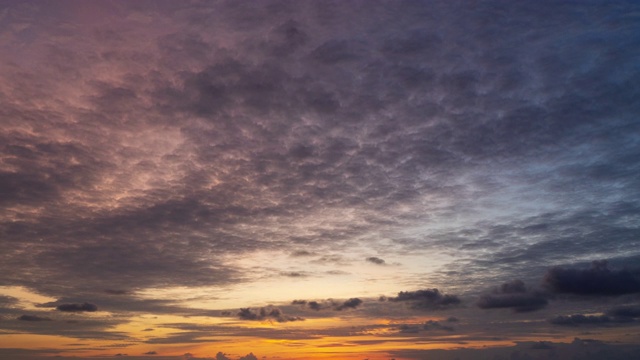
point(249, 356)
point(77, 307)
point(514, 295)
point(579, 319)
point(265, 314)
point(598, 280)
point(625, 312)
point(429, 299)
point(376, 260)
point(33, 318)
point(349, 304)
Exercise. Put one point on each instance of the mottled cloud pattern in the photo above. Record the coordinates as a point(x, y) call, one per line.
point(193, 158)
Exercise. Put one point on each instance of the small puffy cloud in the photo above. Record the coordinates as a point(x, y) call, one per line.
point(222, 356)
point(314, 305)
point(513, 295)
point(77, 307)
point(430, 299)
point(349, 304)
point(376, 260)
point(249, 356)
point(329, 304)
point(597, 280)
point(33, 318)
point(267, 313)
point(151, 353)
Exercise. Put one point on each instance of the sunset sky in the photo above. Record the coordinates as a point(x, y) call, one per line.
point(243, 180)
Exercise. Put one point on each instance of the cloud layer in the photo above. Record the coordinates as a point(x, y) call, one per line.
point(204, 158)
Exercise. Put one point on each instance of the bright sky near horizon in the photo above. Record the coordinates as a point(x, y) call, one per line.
point(239, 180)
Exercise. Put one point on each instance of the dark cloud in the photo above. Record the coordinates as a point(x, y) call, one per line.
point(513, 295)
point(625, 312)
point(598, 280)
point(249, 356)
point(116, 292)
point(302, 253)
point(376, 260)
point(349, 304)
point(429, 299)
point(187, 337)
point(77, 307)
point(7, 300)
point(579, 319)
point(436, 325)
point(330, 304)
point(33, 318)
point(266, 314)
point(314, 305)
point(294, 274)
point(222, 356)
point(542, 345)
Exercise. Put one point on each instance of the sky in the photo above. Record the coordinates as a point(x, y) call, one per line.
point(243, 180)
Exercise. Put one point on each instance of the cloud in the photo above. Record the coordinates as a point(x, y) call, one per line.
point(436, 325)
point(630, 311)
point(136, 157)
point(429, 326)
point(294, 274)
point(7, 300)
point(349, 304)
point(33, 318)
point(222, 356)
point(77, 307)
point(513, 295)
point(542, 345)
point(598, 280)
point(429, 299)
point(376, 260)
point(579, 319)
point(249, 356)
point(314, 305)
point(302, 253)
point(116, 292)
point(151, 353)
point(267, 313)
